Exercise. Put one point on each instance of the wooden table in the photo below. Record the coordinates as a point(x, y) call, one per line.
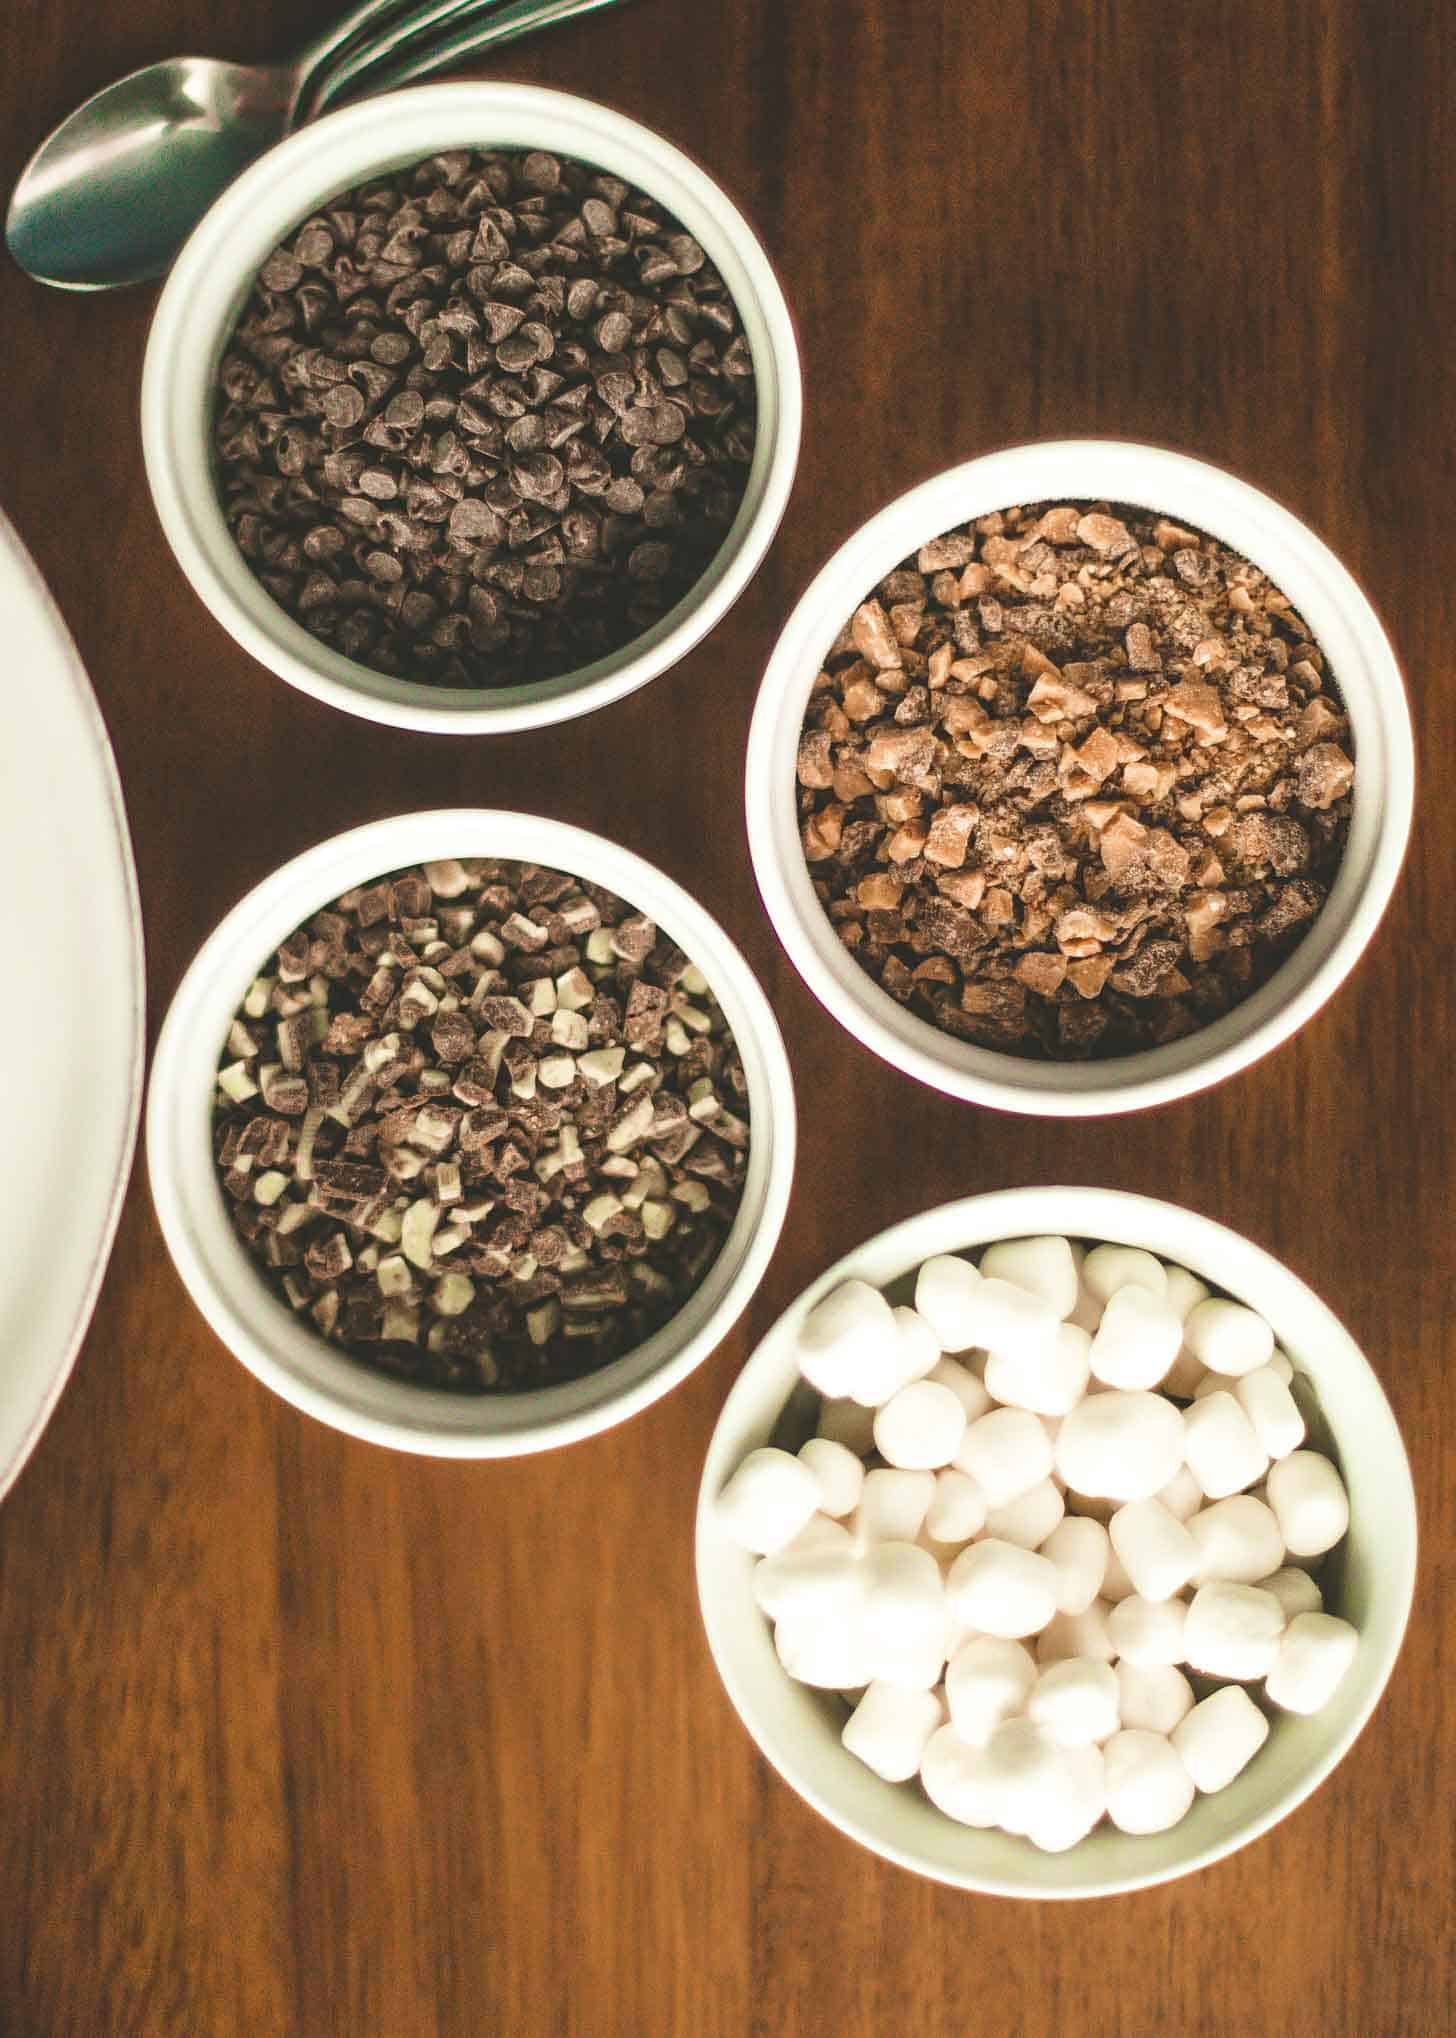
point(301, 1737)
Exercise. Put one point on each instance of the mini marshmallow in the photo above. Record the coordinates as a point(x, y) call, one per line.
point(1237, 1539)
point(1308, 1496)
point(1148, 1632)
point(987, 1680)
point(1154, 1696)
point(1137, 1340)
point(958, 1510)
point(1182, 1496)
point(889, 1728)
point(1005, 1452)
point(917, 1346)
point(1221, 1736)
point(1270, 1407)
point(1183, 1291)
point(892, 1506)
point(838, 1472)
point(829, 1654)
point(902, 1615)
point(1227, 1337)
point(1232, 1631)
point(849, 1423)
point(1155, 1549)
point(1315, 1652)
point(1283, 1365)
point(943, 1290)
point(1030, 1518)
point(1043, 1266)
point(1148, 1789)
point(1078, 1549)
point(820, 1533)
point(1110, 1267)
point(1116, 1585)
point(1224, 1452)
point(1001, 1317)
point(1077, 1634)
point(959, 1780)
point(920, 1427)
point(1002, 1590)
point(963, 1383)
point(1295, 1591)
point(1077, 1701)
point(767, 1500)
point(1120, 1445)
point(1028, 1774)
point(847, 1343)
point(1087, 1313)
point(1080, 1802)
point(1049, 1382)
point(818, 1581)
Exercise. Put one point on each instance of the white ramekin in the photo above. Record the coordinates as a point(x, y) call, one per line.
point(209, 284)
point(226, 1285)
point(1361, 660)
point(1369, 1582)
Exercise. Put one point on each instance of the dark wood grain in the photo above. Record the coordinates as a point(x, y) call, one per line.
point(300, 1737)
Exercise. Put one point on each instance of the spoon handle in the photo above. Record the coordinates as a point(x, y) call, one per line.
point(502, 24)
point(311, 60)
point(405, 26)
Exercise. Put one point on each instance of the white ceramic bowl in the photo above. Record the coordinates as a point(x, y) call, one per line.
point(1369, 1581)
point(210, 282)
point(1364, 666)
point(263, 1332)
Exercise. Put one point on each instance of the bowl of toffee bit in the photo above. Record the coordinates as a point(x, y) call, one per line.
point(1080, 777)
point(470, 408)
point(470, 1133)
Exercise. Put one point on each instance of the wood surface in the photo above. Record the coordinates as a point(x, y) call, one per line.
point(301, 1737)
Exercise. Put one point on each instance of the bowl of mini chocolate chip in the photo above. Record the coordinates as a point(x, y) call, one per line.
point(471, 408)
point(1079, 778)
point(470, 1133)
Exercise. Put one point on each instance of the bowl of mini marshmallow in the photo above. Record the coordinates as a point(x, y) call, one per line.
point(1056, 1542)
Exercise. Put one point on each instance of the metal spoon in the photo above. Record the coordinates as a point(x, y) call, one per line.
point(111, 195)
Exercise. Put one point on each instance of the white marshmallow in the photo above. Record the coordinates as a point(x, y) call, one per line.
point(1237, 1539)
point(959, 1780)
point(1224, 1452)
point(1005, 1452)
point(1043, 1266)
point(1270, 1407)
point(767, 1500)
point(1030, 1518)
point(1154, 1696)
point(958, 1510)
point(1148, 1789)
point(919, 1347)
point(1048, 1382)
point(1137, 1340)
point(1003, 1318)
point(965, 1385)
point(1314, 1653)
point(1221, 1736)
point(1116, 1585)
point(1155, 1549)
point(1227, 1337)
point(1087, 1313)
point(943, 1290)
point(1077, 1634)
point(987, 1680)
point(915, 1665)
point(1119, 1445)
point(1079, 1549)
point(1110, 1267)
point(1183, 1291)
point(1028, 1774)
point(1148, 1632)
point(1077, 1701)
point(838, 1472)
point(849, 1423)
point(818, 1581)
point(1232, 1630)
point(1295, 1591)
point(1002, 1590)
point(902, 1600)
point(1182, 1496)
point(1283, 1365)
point(1080, 1803)
point(1308, 1495)
point(889, 1728)
point(920, 1427)
point(892, 1506)
point(848, 1344)
point(820, 1533)
point(829, 1654)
